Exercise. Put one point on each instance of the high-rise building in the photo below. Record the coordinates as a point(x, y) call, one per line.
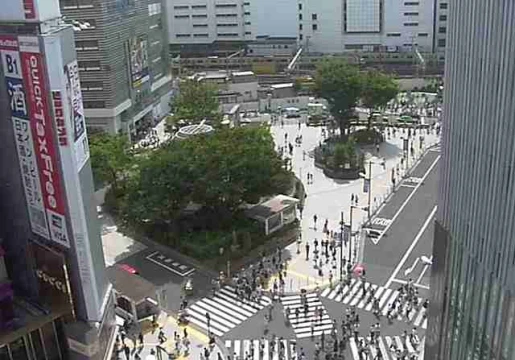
point(122, 53)
point(472, 308)
point(441, 13)
point(336, 26)
point(56, 301)
point(208, 26)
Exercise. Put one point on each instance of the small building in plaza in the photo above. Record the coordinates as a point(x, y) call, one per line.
point(274, 213)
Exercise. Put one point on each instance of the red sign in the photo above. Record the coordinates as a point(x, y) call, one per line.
point(41, 125)
point(29, 9)
point(59, 118)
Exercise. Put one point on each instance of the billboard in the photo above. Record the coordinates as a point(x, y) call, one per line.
point(52, 276)
point(138, 60)
point(25, 146)
point(35, 81)
point(29, 10)
point(73, 150)
point(74, 95)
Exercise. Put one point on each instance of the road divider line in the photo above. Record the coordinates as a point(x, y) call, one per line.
point(412, 246)
point(408, 199)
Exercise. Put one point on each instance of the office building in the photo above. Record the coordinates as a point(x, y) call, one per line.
point(472, 305)
point(336, 26)
point(122, 54)
point(441, 13)
point(56, 300)
point(208, 27)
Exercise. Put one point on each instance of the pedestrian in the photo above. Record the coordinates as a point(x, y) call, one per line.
point(140, 338)
point(307, 250)
point(127, 352)
point(185, 333)
point(315, 217)
point(208, 320)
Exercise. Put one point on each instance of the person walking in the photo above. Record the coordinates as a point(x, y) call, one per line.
point(315, 217)
point(307, 250)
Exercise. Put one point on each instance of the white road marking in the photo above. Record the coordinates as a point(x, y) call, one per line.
point(412, 246)
point(400, 281)
point(409, 198)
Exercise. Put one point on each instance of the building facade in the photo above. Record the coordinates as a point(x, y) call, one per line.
point(123, 61)
point(440, 34)
point(54, 284)
point(472, 309)
point(336, 26)
point(202, 24)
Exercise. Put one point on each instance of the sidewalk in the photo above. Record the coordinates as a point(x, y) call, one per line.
point(328, 198)
point(198, 342)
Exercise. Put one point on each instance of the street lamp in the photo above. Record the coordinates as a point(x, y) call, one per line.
point(369, 179)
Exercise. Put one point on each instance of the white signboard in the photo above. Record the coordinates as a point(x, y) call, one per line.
point(80, 138)
point(29, 10)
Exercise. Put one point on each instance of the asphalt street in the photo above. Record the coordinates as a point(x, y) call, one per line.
point(405, 219)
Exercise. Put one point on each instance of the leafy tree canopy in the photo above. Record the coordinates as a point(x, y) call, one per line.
point(378, 89)
point(218, 171)
point(110, 157)
point(340, 84)
point(197, 101)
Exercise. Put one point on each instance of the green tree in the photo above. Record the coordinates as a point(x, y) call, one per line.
point(197, 101)
point(218, 171)
point(378, 89)
point(110, 158)
point(239, 165)
point(340, 84)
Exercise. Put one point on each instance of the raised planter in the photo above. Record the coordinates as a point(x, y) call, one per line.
point(340, 174)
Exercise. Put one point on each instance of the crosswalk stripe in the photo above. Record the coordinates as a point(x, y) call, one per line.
point(354, 348)
point(424, 324)
point(326, 291)
point(367, 298)
point(390, 301)
point(210, 309)
point(342, 293)
point(334, 292)
point(399, 343)
point(225, 309)
point(234, 298)
point(228, 307)
point(383, 350)
point(309, 321)
point(376, 296)
point(384, 298)
point(216, 320)
point(419, 317)
point(359, 294)
point(237, 347)
point(282, 349)
point(294, 297)
point(221, 299)
point(225, 305)
point(409, 346)
point(352, 291)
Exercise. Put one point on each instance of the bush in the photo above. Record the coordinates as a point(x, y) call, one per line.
point(367, 137)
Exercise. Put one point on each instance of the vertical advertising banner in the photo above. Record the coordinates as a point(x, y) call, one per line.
point(139, 61)
point(34, 76)
point(25, 146)
point(80, 139)
point(73, 150)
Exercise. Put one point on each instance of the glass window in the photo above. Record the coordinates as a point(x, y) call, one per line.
point(37, 345)
point(19, 349)
point(50, 342)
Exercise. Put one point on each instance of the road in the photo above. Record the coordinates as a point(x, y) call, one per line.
point(406, 223)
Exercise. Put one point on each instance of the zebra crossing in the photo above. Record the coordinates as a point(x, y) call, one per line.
point(307, 317)
point(353, 295)
point(386, 348)
point(263, 349)
point(225, 310)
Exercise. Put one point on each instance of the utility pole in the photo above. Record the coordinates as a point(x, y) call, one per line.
point(350, 235)
point(369, 186)
point(341, 248)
